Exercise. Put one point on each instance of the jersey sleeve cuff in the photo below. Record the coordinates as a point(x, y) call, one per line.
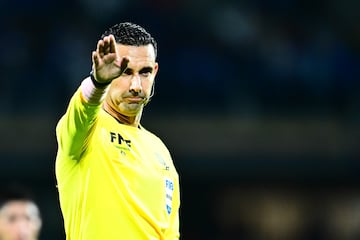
point(92, 94)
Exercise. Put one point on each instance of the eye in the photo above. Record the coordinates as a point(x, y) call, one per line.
point(127, 72)
point(146, 72)
point(11, 219)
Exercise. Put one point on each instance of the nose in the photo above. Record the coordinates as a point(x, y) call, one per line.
point(23, 230)
point(135, 84)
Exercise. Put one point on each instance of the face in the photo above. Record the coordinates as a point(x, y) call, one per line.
point(19, 220)
point(128, 93)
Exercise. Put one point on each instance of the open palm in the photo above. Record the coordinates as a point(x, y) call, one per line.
point(107, 65)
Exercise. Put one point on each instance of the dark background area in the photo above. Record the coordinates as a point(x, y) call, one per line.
point(258, 101)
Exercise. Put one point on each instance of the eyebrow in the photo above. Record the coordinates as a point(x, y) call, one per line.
point(146, 69)
point(143, 70)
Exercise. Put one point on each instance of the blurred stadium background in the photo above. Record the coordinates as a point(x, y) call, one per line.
point(258, 102)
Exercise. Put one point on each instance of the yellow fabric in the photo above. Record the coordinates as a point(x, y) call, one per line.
point(114, 181)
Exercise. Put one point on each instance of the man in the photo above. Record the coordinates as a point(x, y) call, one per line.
point(116, 180)
point(19, 215)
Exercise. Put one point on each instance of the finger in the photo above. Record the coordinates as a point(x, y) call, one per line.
point(95, 58)
point(124, 64)
point(100, 48)
point(106, 44)
point(113, 48)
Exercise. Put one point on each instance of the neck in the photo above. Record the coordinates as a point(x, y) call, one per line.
point(128, 120)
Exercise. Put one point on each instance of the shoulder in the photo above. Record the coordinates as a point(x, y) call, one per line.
point(153, 136)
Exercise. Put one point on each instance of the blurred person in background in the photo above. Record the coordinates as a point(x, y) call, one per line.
point(19, 214)
point(116, 180)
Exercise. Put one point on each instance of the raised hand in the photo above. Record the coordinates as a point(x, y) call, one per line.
point(107, 65)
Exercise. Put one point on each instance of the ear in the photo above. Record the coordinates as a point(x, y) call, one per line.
point(39, 224)
point(156, 68)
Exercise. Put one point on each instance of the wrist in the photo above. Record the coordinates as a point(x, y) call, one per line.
point(92, 94)
point(96, 83)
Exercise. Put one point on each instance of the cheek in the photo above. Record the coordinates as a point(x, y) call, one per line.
point(118, 87)
point(34, 228)
point(120, 83)
point(147, 85)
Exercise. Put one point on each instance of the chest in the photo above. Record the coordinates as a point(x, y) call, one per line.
point(131, 153)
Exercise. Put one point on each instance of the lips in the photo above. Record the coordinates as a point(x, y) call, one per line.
point(134, 99)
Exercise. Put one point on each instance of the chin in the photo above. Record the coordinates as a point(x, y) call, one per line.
point(130, 112)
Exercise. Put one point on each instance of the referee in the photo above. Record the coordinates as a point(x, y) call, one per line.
point(116, 180)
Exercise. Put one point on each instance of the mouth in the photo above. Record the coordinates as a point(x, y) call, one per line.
point(134, 99)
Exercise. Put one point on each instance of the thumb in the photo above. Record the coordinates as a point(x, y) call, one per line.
point(124, 64)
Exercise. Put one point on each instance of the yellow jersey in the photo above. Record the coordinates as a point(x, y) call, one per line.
point(115, 182)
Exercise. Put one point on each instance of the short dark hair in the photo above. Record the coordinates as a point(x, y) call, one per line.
point(128, 33)
point(15, 192)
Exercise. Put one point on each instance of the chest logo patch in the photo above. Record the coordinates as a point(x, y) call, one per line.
point(118, 139)
point(169, 191)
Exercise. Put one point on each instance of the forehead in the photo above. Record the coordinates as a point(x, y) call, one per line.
point(18, 208)
point(143, 55)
